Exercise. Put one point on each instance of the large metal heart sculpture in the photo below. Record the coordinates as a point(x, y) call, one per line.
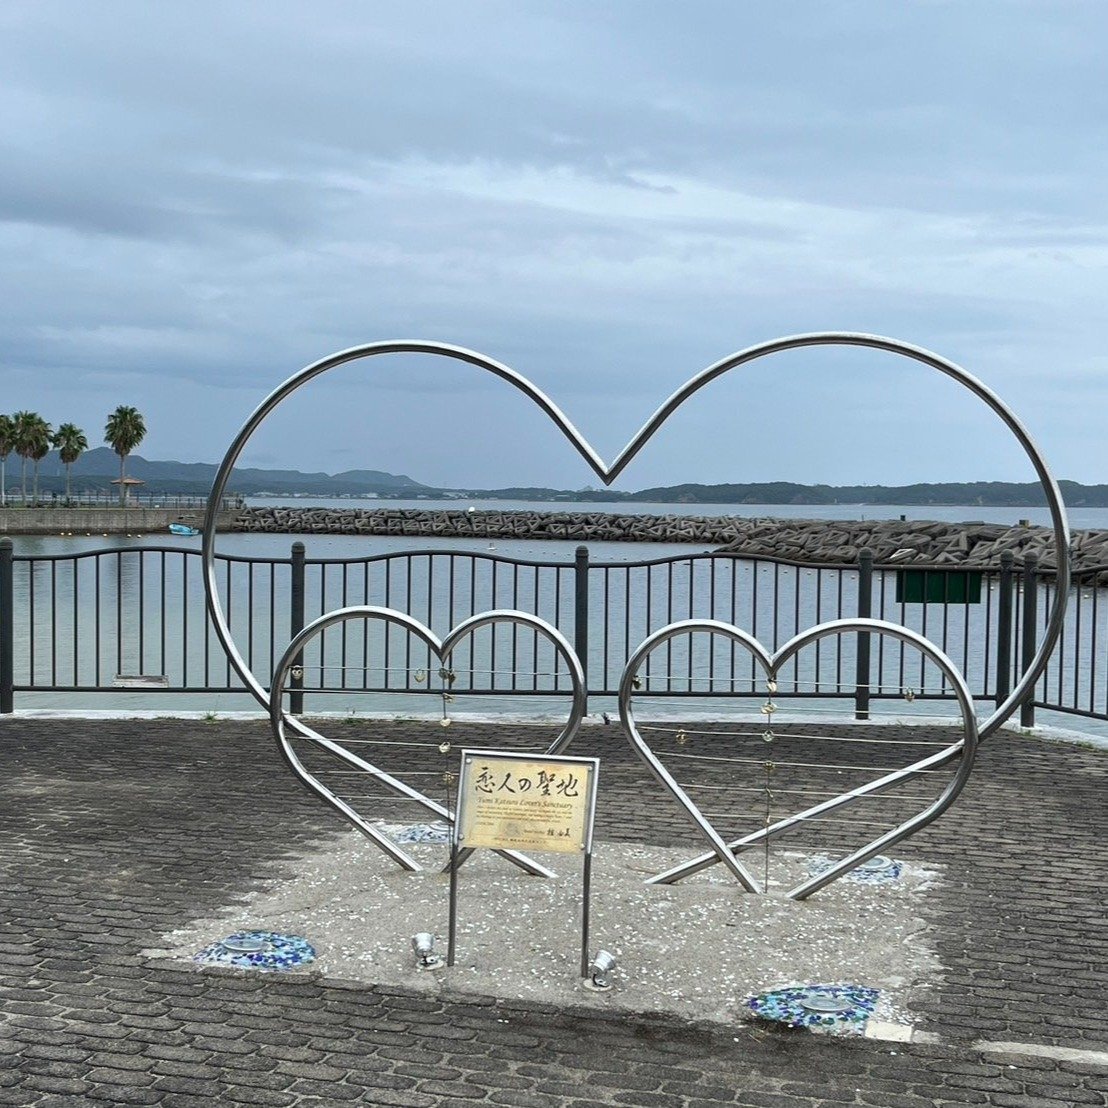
point(723, 852)
point(282, 722)
point(609, 472)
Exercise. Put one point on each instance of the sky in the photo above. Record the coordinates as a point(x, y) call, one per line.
point(199, 199)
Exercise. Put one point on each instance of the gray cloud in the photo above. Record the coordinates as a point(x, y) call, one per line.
point(198, 199)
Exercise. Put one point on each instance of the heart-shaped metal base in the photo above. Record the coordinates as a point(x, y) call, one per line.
point(725, 852)
point(282, 722)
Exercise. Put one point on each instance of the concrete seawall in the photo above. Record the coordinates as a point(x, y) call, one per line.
point(103, 521)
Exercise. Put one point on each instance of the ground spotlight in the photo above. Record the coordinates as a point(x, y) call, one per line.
point(600, 969)
point(423, 944)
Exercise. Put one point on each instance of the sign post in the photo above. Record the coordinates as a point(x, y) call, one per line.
point(514, 802)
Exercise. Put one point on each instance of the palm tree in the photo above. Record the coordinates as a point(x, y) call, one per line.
point(30, 431)
point(125, 430)
point(7, 443)
point(71, 442)
point(40, 447)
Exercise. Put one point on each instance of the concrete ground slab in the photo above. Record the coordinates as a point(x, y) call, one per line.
point(695, 950)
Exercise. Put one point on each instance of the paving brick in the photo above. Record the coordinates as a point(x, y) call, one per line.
point(46, 1067)
point(191, 1085)
point(184, 1069)
point(268, 1098)
point(69, 1086)
point(24, 1096)
point(492, 1080)
point(1025, 1100)
point(123, 1094)
point(647, 1099)
point(129, 1078)
point(56, 1053)
point(703, 1092)
point(1017, 927)
point(403, 1098)
point(1072, 1093)
point(332, 1090)
point(752, 1098)
point(119, 1060)
point(520, 1099)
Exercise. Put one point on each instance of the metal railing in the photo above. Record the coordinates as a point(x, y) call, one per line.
point(104, 620)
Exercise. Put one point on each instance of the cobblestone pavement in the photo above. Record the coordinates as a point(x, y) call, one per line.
point(114, 833)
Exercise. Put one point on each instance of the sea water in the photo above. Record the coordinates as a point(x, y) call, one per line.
point(353, 546)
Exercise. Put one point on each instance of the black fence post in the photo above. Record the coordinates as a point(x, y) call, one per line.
point(865, 610)
point(296, 625)
point(1004, 627)
point(7, 628)
point(1027, 651)
point(581, 611)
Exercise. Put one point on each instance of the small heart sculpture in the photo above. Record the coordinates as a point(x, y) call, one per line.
point(280, 721)
point(724, 852)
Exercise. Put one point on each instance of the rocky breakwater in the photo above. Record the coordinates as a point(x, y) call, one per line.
point(917, 543)
point(895, 543)
point(565, 526)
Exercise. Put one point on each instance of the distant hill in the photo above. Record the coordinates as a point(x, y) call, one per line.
point(985, 493)
point(997, 494)
point(95, 468)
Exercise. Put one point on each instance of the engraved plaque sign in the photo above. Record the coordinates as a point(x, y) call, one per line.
point(516, 802)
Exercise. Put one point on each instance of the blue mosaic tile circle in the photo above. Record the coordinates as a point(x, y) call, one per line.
point(787, 1005)
point(437, 832)
point(278, 952)
point(859, 875)
point(413, 833)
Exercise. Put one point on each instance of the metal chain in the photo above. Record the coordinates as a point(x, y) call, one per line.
point(767, 737)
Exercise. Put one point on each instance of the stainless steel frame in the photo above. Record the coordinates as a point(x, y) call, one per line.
point(772, 663)
point(282, 722)
point(458, 854)
point(608, 473)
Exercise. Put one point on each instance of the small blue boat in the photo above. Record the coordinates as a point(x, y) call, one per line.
point(183, 529)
